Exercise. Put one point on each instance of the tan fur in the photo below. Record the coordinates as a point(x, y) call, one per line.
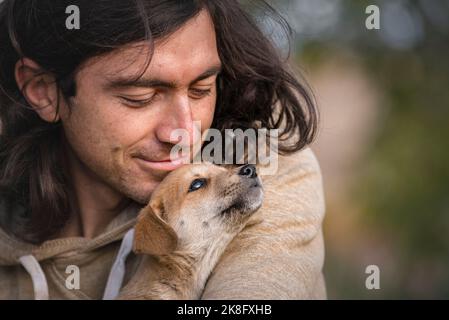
point(183, 234)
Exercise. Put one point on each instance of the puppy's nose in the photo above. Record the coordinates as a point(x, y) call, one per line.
point(248, 170)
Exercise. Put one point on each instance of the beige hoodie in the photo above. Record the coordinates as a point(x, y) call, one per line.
point(279, 254)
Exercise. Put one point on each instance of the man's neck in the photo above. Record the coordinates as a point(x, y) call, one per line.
point(95, 203)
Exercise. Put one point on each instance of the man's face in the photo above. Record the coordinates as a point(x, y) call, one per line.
point(120, 133)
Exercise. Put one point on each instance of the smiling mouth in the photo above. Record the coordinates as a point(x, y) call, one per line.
point(164, 165)
point(178, 159)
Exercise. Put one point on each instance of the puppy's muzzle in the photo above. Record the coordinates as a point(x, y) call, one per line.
point(249, 171)
point(247, 197)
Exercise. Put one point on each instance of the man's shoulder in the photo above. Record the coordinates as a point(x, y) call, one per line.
point(294, 196)
point(294, 166)
point(280, 251)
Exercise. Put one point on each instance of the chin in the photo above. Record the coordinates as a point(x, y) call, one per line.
point(141, 193)
point(137, 186)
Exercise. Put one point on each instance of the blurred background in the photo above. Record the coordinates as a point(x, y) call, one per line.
point(383, 142)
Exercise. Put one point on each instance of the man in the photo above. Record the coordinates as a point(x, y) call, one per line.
point(87, 116)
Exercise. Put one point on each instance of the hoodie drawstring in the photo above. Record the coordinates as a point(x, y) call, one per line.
point(117, 273)
point(115, 279)
point(40, 285)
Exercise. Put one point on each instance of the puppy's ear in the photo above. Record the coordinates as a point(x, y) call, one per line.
point(153, 235)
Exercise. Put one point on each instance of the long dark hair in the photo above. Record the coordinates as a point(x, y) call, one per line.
point(255, 87)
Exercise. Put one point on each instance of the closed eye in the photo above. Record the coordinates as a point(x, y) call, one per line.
point(137, 102)
point(197, 184)
point(200, 93)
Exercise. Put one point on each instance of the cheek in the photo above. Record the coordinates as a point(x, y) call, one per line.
point(100, 132)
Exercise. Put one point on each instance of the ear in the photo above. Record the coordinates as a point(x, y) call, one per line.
point(39, 89)
point(152, 234)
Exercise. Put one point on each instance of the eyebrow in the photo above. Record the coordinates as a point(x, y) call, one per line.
point(119, 82)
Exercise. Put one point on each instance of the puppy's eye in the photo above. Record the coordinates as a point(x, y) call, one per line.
point(197, 184)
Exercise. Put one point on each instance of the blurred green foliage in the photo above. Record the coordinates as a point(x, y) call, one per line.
point(402, 185)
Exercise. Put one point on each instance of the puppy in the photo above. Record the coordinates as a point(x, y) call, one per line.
point(192, 216)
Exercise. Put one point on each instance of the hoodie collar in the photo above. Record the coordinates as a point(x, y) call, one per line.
point(11, 249)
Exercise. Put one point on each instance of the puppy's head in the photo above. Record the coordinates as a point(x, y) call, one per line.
point(197, 205)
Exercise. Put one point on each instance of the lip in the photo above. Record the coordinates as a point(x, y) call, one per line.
point(163, 165)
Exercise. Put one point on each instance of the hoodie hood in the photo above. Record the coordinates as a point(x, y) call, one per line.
point(14, 252)
point(11, 249)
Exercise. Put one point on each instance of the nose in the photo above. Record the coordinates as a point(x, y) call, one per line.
point(248, 171)
point(180, 120)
